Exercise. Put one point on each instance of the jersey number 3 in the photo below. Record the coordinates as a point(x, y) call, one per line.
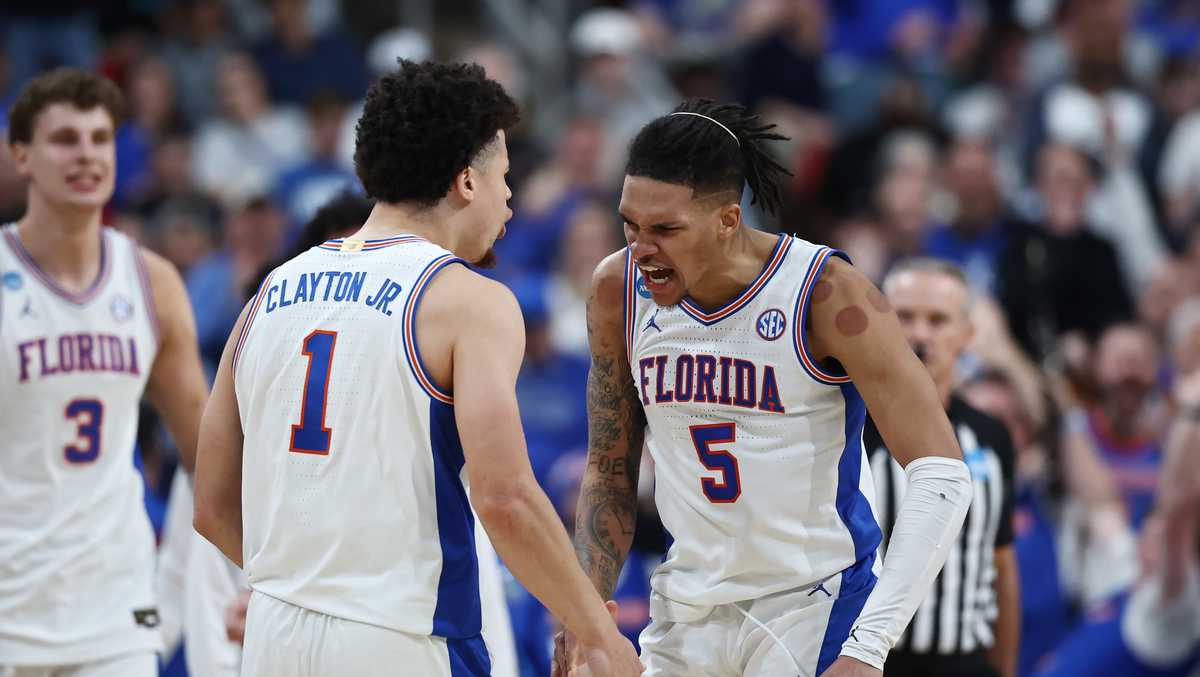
point(728, 488)
point(311, 436)
point(89, 416)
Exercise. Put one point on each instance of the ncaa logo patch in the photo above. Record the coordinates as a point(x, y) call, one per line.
point(121, 307)
point(770, 324)
point(12, 280)
point(642, 290)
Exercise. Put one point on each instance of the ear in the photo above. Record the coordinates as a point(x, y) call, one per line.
point(20, 156)
point(730, 216)
point(464, 183)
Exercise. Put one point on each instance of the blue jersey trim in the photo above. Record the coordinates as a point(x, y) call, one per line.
point(412, 351)
point(469, 657)
point(457, 614)
point(800, 320)
point(852, 504)
point(857, 583)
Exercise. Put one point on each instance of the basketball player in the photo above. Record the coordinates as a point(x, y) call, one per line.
point(746, 358)
point(88, 323)
point(358, 383)
point(970, 622)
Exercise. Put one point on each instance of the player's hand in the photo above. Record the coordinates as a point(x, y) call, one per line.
point(617, 658)
point(846, 666)
point(235, 617)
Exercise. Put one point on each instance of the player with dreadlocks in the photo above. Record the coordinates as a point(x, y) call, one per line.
point(744, 361)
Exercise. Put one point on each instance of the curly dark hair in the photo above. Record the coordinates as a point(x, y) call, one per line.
point(423, 124)
point(79, 88)
point(691, 151)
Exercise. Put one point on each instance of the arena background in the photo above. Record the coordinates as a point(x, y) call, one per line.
point(1049, 147)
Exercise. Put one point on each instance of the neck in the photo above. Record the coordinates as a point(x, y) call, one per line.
point(744, 258)
point(389, 220)
point(63, 240)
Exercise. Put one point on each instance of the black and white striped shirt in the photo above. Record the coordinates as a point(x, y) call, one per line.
point(959, 614)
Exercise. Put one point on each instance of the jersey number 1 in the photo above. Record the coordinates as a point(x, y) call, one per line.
point(729, 487)
point(311, 436)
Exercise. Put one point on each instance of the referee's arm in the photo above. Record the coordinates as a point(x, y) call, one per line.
point(1004, 652)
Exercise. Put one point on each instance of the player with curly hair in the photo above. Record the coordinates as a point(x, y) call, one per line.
point(364, 385)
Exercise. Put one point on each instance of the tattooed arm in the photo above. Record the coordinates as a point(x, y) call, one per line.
point(851, 322)
point(607, 506)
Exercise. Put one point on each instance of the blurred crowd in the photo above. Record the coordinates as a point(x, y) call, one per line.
point(1049, 147)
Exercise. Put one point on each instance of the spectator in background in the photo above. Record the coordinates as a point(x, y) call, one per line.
point(253, 236)
point(200, 42)
point(591, 234)
point(1055, 276)
point(154, 112)
point(1048, 610)
point(40, 35)
point(854, 166)
point(1126, 426)
point(616, 84)
point(1084, 25)
point(298, 62)
point(784, 57)
point(305, 187)
point(241, 154)
point(978, 231)
point(550, 386)
point(1176, 97)
point(905, 195)
point(185, 230)
point(551, 195)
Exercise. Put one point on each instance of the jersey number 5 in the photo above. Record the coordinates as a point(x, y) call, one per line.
point(311, 436)
point(729, 487)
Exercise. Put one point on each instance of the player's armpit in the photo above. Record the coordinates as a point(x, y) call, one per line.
point(607, 508)
point(217, 514)
point(176, 386)
point(851, 321)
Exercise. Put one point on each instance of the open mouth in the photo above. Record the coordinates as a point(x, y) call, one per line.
point(83, 182)
point(657, 277)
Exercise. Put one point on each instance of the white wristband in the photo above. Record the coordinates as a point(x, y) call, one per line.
point(927, 524)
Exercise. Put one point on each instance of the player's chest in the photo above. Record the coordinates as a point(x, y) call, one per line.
point(46, 341)
point(743, 363)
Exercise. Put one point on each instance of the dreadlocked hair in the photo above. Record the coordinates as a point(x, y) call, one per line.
point(691, 151)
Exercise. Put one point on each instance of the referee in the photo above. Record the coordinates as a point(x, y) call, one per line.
point(969, 624)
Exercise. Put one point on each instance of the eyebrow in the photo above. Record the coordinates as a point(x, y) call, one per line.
point(655, 225)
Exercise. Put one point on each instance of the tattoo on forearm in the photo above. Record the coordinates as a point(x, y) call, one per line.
point(607, 508)
point(603, 530)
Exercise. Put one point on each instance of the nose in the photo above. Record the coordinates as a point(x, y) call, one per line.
point(642, 246)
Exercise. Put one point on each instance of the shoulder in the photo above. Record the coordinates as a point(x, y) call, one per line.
point(608, 285)
point(164, 278)
point(458, 293)
point(839, 280)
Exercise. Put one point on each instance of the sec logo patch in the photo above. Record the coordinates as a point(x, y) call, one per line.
point(771, 324)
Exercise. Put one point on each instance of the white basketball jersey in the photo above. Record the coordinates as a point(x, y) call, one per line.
point(353, 488)
point(760, 474)
point(76, 547)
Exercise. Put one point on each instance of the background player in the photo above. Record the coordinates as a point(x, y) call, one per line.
point(88, 322)
point(746, 358)
point(970, 622)
point(357, 404)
